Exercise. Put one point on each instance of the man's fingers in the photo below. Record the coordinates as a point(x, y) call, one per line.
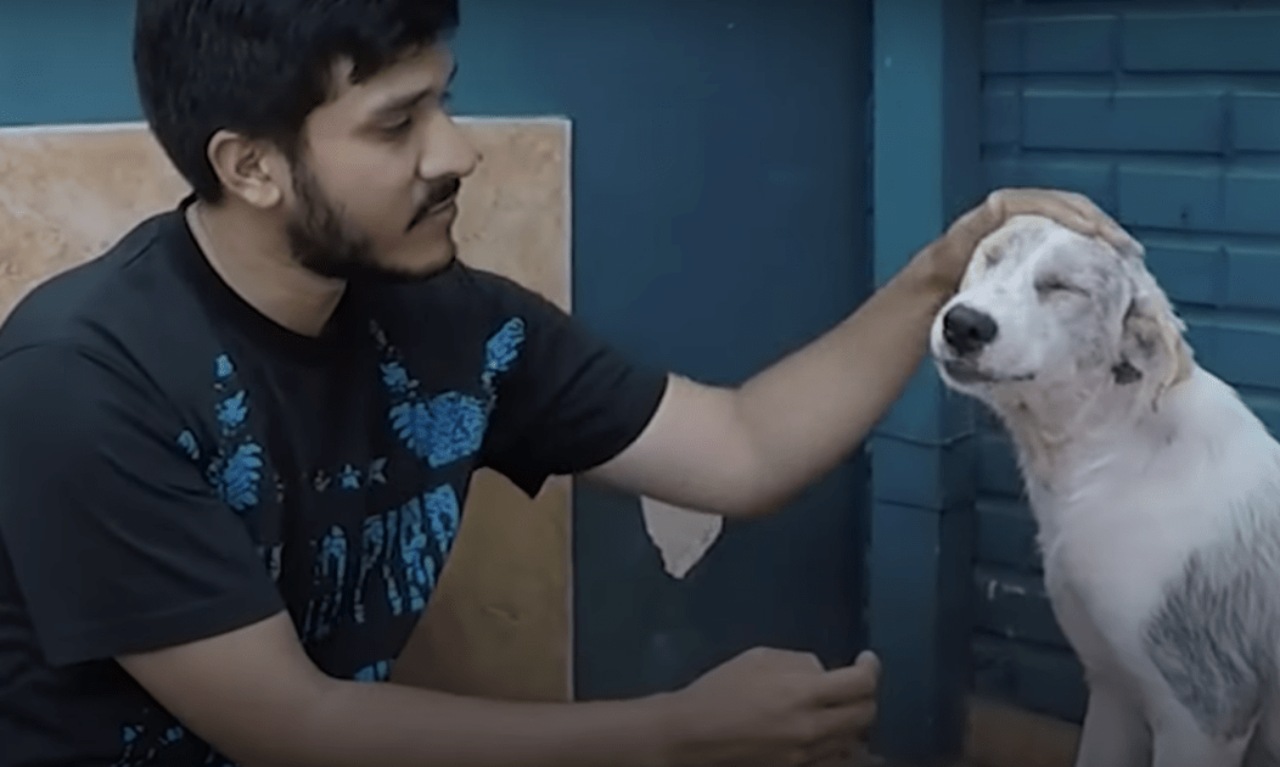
point(841, 729)
point(787, 660)
point(1108, 228)
point(849, 756)
point(1059, 207)
point(835, 753)
point(802, 661)
point(849, 684)
point(778, 659)
point(1070, 209)
point(1003, 204)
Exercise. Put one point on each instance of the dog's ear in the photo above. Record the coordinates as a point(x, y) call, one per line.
point(1152, 343)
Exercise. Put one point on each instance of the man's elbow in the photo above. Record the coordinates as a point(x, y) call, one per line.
point(761, 502)
point(751, 488)
point(751, 509)
point(755, 484)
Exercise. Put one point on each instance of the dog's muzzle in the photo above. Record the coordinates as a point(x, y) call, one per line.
point(966, 330)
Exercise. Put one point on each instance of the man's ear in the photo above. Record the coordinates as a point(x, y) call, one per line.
point(247, 168)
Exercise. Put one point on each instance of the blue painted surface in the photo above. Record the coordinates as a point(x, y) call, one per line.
point(719, 172)
point(927, 172)
point(719, 222)
point(1168, 115)
point(67, 62)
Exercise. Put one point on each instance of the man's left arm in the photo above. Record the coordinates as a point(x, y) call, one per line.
point(575, 406)
point(747, 450)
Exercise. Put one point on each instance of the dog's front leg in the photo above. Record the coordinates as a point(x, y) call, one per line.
point(1183, 740)
point(1114, 733)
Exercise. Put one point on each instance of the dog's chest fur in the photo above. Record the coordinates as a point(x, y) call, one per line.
point(1140, 529)
point(1109, 555)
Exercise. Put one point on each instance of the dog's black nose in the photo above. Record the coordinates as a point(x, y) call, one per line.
point(967, 330)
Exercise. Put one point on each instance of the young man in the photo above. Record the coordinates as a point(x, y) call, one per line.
point(236, 445)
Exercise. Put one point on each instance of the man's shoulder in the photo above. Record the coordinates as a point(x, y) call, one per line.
point(117, 322)
point(80, 306)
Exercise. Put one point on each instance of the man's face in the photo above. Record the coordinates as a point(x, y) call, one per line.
point(375, 184)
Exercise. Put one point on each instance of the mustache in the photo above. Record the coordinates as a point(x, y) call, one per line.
point(441, 192)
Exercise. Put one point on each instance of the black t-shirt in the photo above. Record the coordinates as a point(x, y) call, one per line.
point(174, 465)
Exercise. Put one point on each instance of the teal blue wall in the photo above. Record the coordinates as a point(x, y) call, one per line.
point(720, 220)
point(66, 61)
point(926, 172)
point(1167, 113)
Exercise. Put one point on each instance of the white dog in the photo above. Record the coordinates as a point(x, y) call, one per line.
point(1156, 492)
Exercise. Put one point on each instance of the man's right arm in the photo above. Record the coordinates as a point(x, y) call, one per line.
point(122, 550)
point(255, 695)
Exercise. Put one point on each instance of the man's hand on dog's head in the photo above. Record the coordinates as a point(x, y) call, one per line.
point(948, 256)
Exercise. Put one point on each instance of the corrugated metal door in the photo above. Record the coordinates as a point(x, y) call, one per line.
point(1167, 114)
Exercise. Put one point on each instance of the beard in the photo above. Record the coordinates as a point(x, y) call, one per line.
point(322, 242)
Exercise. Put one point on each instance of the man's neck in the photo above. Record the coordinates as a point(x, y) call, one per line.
point(260, 270)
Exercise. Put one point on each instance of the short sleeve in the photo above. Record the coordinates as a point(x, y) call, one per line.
point(117, 543)
point(569, 402)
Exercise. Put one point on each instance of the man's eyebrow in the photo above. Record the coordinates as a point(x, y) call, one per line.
point(410, 100)
point(401, 103)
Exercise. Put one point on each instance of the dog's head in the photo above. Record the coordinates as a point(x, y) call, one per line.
point(1042, 308)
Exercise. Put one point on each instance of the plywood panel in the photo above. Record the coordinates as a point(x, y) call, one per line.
point(499, 623)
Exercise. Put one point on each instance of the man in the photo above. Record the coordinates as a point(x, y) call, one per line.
point(235, 446)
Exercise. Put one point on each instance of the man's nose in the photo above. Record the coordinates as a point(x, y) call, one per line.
point(448, 151)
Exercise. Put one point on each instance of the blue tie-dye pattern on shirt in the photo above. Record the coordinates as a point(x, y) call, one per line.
point(349, 478)
point(502, 350)
point(374, 672)
point(236, 468)
point(187, 441)
point(397, 562)
point(237, 477)
point(162, 740)
point(401, 553)
point(394, 557)
point(223, 367)
point(447, 427)
point(232, 412)
point(442, 429)
point(442, 510)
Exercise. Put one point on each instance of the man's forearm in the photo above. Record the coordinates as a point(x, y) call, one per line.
point(357, 723)
point(807, 412)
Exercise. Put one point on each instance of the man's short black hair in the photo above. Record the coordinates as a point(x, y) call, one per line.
point(259, 67)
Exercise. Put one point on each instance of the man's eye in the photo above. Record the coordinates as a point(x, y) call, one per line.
point(397, 128)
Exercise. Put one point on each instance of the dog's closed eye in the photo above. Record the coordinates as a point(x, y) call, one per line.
point(1049, 285)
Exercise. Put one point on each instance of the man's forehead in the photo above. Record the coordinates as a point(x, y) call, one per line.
point(423, 69)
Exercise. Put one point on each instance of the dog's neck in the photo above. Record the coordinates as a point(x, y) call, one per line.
point(1060, 430)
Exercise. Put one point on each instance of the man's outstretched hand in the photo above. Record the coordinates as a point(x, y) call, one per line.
point(774, 708)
